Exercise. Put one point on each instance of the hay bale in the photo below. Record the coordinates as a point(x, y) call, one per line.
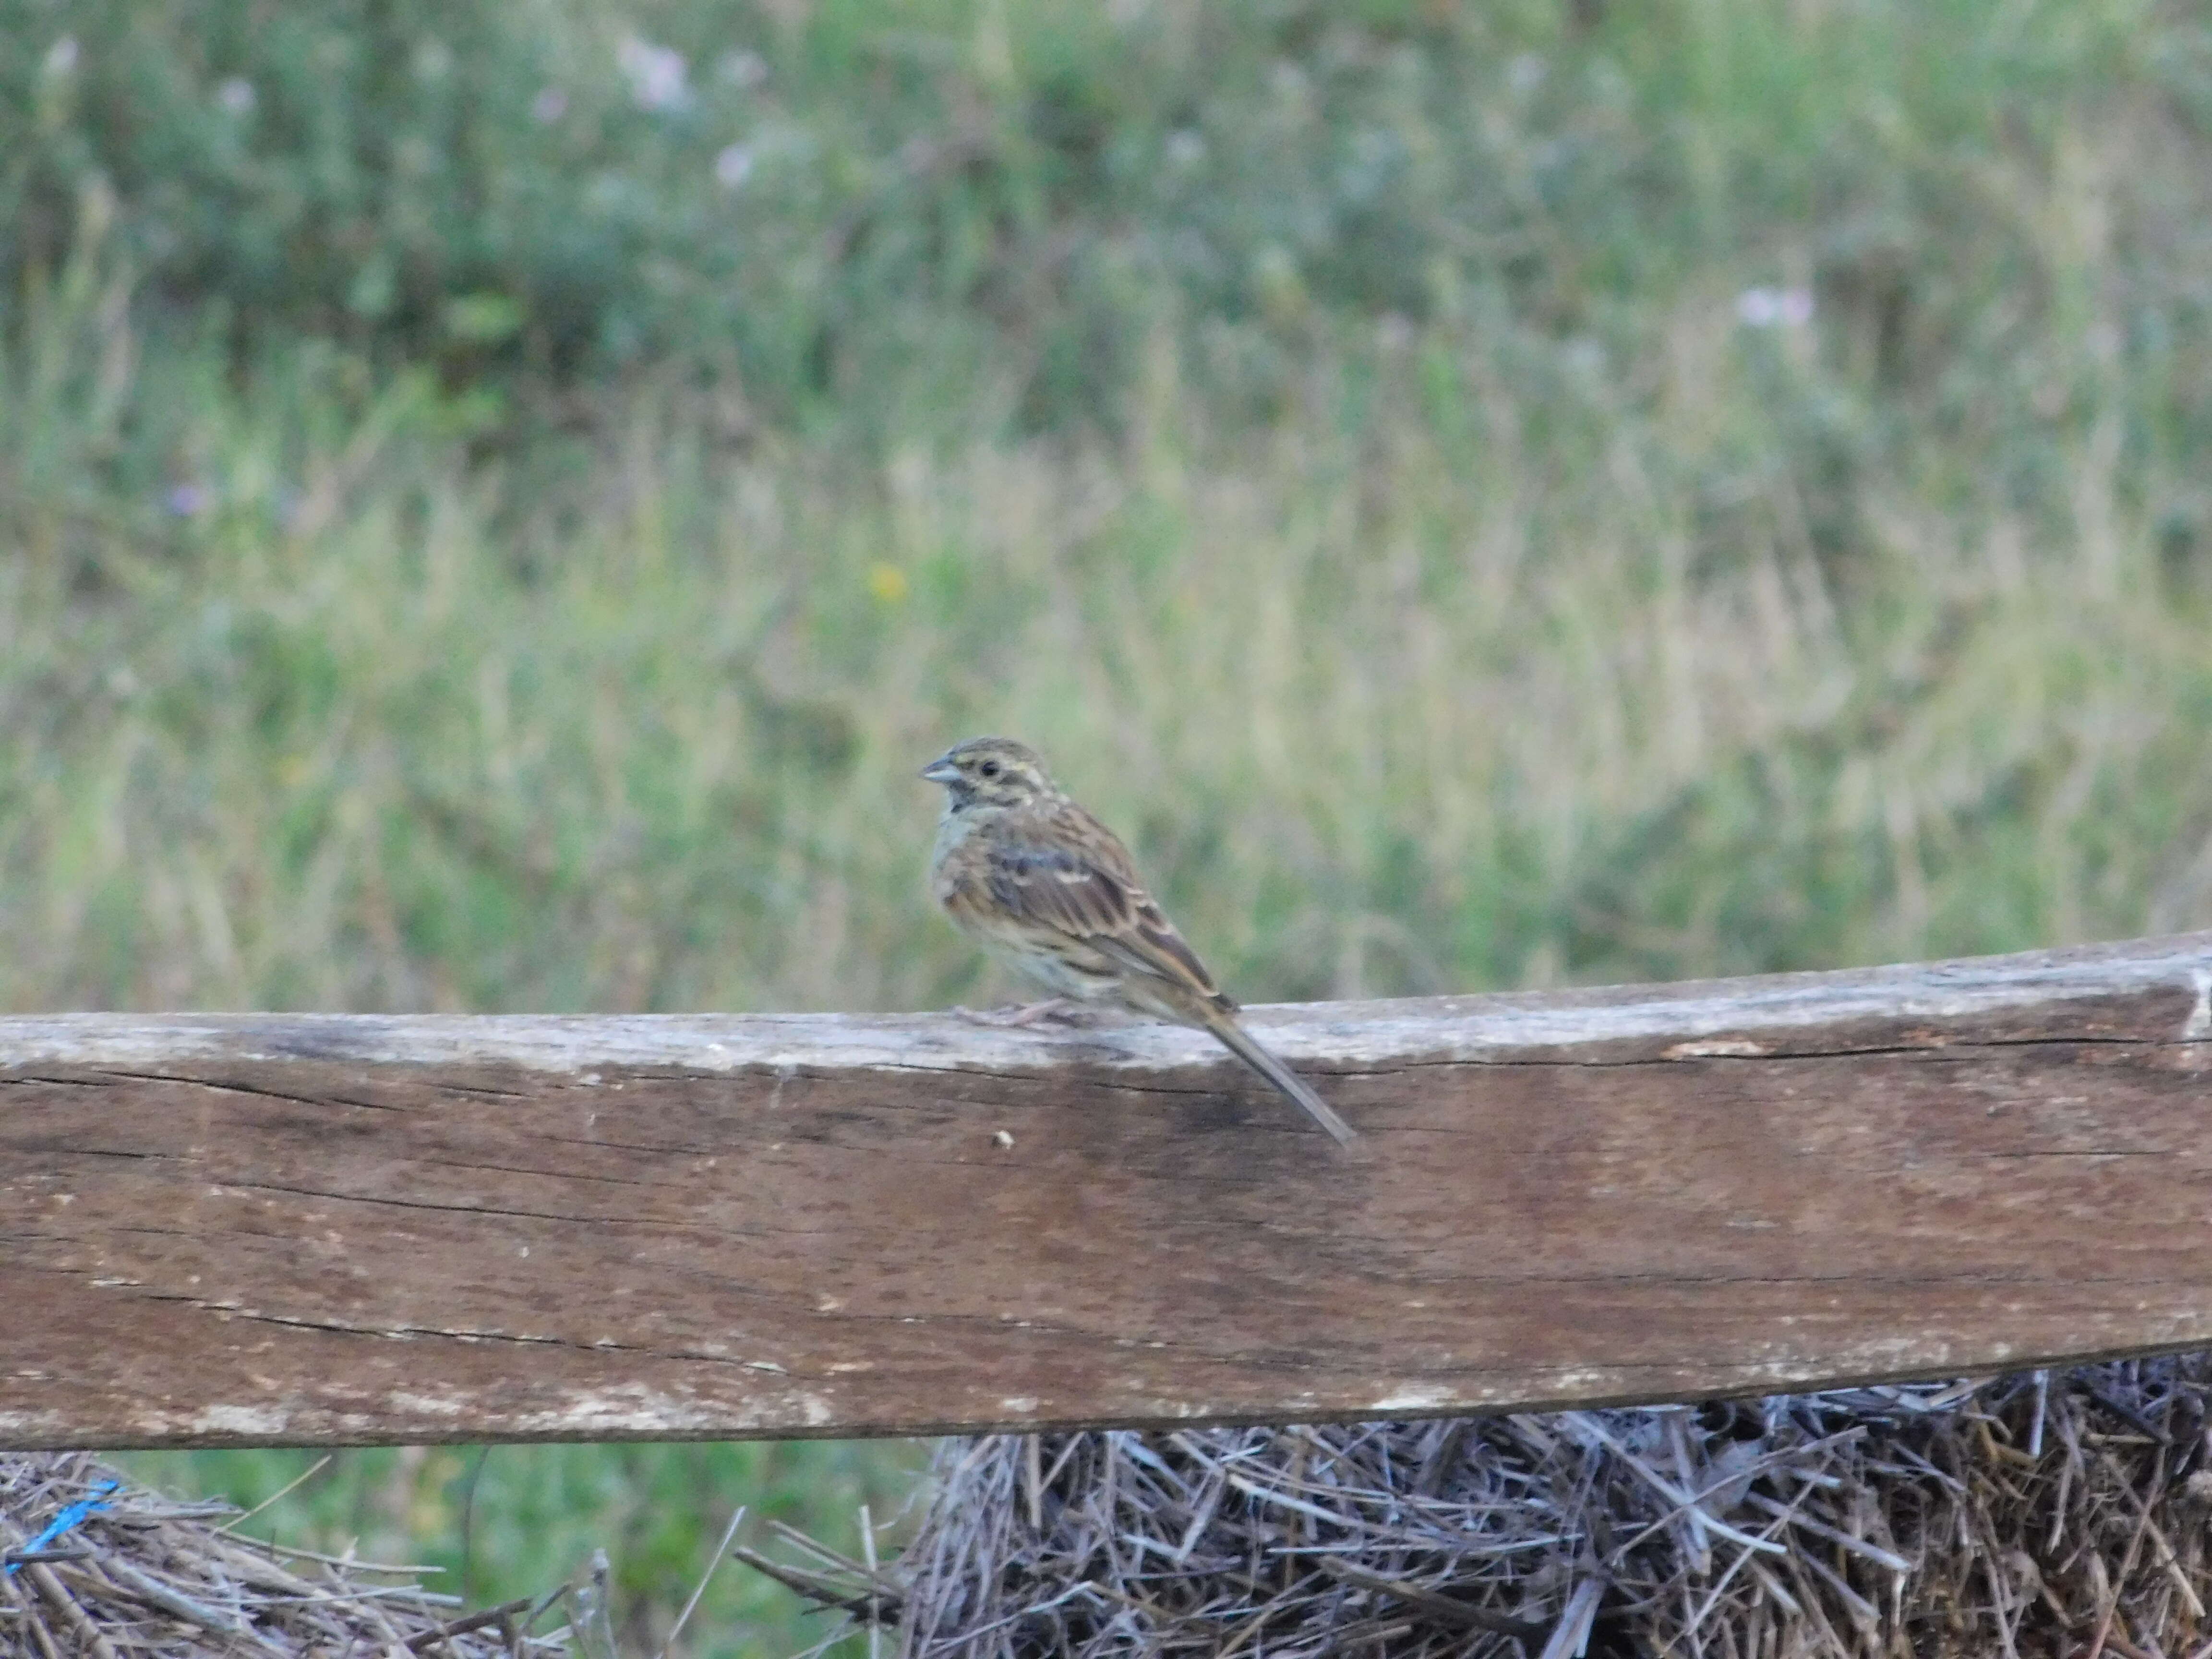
point(2035, 1514)
point(91, 1564)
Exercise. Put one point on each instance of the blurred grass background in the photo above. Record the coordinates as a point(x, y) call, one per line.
point(499, 501)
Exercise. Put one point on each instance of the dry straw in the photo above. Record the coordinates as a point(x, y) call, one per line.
point(2038, 1513)
point(91, 1565)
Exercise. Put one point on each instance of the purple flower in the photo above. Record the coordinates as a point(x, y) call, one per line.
point(743, 69)
point(657, 74)
point(734, 166)
point(1774, 307)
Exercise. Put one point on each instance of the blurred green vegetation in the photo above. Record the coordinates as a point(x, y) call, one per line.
point(974, 217)
point(506, 1521)
point(498, 500)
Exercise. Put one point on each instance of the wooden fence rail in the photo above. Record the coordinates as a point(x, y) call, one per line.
point(295, 1230)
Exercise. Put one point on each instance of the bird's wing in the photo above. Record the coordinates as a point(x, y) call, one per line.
point(1065, 871)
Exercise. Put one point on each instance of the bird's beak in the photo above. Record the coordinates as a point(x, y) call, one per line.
point(941, 770)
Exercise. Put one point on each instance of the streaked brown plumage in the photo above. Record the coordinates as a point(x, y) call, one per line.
point(1052, 893)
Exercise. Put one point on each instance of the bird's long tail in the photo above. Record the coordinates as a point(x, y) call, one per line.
point(1242, 1044)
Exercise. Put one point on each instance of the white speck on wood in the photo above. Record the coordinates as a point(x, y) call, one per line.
point(241, 1422)
point(2198, 1025)
point(1413, 1400)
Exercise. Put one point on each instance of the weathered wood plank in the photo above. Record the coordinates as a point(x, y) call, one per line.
point(271, 1229)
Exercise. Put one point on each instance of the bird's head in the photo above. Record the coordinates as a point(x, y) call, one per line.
point(990, 772)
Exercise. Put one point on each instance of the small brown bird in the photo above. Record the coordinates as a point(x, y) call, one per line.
point(1051, 892)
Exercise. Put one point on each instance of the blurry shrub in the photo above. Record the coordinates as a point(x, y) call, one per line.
point(440, 177)
point(900, 212)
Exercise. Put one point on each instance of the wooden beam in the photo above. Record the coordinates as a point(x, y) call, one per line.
point(304, 1229)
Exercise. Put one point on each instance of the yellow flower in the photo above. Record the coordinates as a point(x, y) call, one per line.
point(887, 582)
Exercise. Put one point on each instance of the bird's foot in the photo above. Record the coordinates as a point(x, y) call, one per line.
point(1058, 1011)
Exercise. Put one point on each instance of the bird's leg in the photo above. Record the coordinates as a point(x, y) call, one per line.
point(1058, 1010)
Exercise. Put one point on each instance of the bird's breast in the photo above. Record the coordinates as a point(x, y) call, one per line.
point(956, 868)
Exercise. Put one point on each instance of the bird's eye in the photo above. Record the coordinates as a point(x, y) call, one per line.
point(989, 769)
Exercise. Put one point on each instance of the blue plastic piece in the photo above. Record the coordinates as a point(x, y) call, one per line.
point(71, 1517)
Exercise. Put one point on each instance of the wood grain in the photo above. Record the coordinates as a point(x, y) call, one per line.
point(280, 1228)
